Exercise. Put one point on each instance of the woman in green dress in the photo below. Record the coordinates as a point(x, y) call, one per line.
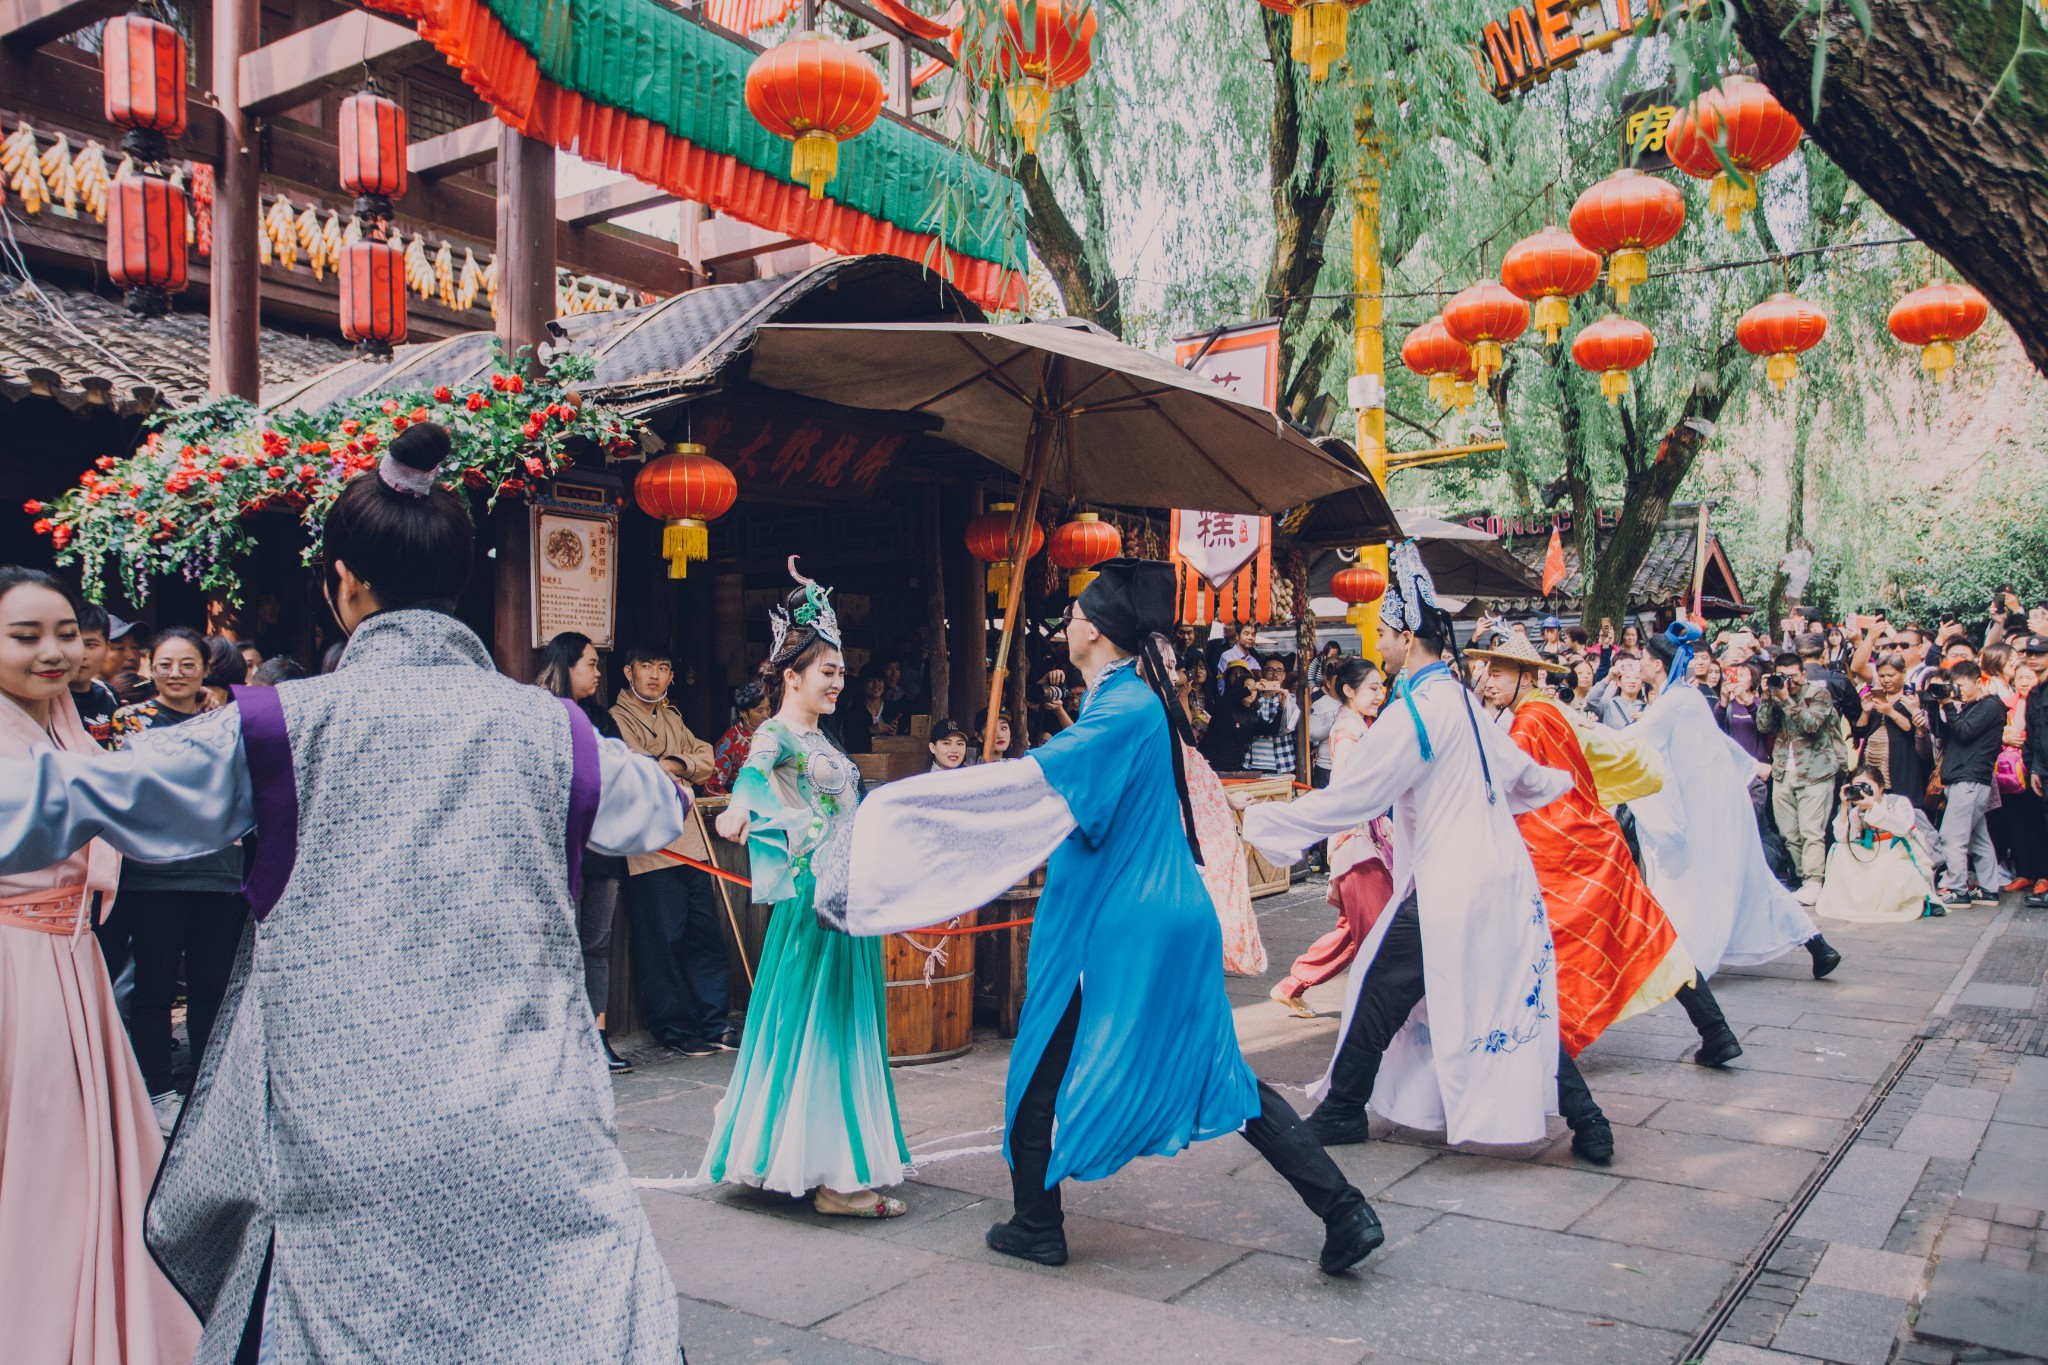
point(811, 1108)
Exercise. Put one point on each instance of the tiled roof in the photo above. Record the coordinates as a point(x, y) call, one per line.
point(82, 349)
point(1666, 574)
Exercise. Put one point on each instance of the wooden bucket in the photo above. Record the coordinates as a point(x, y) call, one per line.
point(931, 1017)
point(1002, 955)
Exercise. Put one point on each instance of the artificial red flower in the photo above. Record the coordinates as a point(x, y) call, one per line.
point(390, 405)
point(512, 486)
point(213, 476)
point(307, 473)
point(515, 384)
point(350, 428)
point(88, 479)
point(498, 382)
point(474, 478)
point(371, 440)
point(399, 422)
point(420, 414)
point(105, 462)
point(442, 395)
point(275, 472)
point(42, 526)
point(142, 518)
point(32, 507)
point(534, 466)
point(60, 537)
point(476, 402)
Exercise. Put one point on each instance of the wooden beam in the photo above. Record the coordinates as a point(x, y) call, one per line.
point(235, 291)
point(61, 85)
point(294, 69)
point(728, 241)
point(465, 149)
point(607, 202)
point(31, 23)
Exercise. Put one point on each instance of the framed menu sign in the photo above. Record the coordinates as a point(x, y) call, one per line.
point(575, 570)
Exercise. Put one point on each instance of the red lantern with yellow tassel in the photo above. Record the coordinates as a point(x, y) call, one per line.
point(1935, 319)
point(1081, 544)
point(1057, 52)
point(988, 540)
point(1482, 317)
point(1781, 327)
point(1611, 348)
point(1547, 269)
point(1625, 217)
point(1321, 31)
point(1430, 351)
point(687, 490)
point(1750, 126)
point(1358, 587)
point(818, 93)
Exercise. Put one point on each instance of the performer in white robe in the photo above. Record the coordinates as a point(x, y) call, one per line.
point(1702, 855)
point(1451, 1020)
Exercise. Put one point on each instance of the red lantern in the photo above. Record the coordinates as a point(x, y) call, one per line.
point(1935, 319)
point(818, 93)
point(372, 276)
point(372, 151)
point(1752, 128)
point(1080, 545)
point(1781, 327)
point(1358, 587)
point(142, 65)
point(988, 540)
point(1482, 317)
point(146, 240)
point(1625, 217)
point(1611, 348)
point(1058, 52)
point(1321, 30)
point(1547, 269)
point(687, 490)
point(1429, 350)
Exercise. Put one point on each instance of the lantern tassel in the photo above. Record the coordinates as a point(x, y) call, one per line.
point(1440, 389)
point(1613, 384)
point(1486, 359)
point(1780, 368)
point(1627, 268)
point(1030, 99)
point(1328, 22)
point(1077, 583)
point(1731, 198)
point(1553, 315)
point(999, 581)
point(814, 160)
point(1299, 49)
point(682, 540)
point(1938, 357)
point(1360, 615)
point(1462, 393)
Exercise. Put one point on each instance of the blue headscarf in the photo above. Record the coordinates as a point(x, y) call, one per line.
point(1681, 636)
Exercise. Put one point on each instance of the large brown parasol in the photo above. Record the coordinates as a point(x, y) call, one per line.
point(1062, 405)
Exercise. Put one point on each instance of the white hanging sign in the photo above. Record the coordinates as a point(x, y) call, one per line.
point(1217, 544)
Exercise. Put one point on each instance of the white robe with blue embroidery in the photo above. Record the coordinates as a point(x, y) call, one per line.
point(1477, 1060)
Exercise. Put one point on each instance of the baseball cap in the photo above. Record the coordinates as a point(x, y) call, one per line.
point(1551, 623)
point(116, 627)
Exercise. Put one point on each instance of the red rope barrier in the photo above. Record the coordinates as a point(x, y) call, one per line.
point(718, 872)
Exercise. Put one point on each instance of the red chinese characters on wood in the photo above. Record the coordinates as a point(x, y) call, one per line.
point(146, 240)
point(790, 454)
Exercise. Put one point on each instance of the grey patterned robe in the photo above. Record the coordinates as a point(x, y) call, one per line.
point(406, 1092)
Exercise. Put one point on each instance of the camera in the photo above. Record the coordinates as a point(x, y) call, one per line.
point(1936, 689)
point(1774, 682)
point(1858, 791)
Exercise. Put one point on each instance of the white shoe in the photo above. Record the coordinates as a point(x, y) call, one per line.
point(167, 1106)
point(1808, 893)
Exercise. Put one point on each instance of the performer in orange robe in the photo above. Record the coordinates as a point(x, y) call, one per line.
point(1617, 954)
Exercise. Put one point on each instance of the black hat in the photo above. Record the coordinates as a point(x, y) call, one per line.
point(1130, 599)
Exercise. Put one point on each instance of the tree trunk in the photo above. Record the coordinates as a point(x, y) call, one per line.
point(1304, 186)
point(1079, 263)
point(1911, 113)
point(1795, 510)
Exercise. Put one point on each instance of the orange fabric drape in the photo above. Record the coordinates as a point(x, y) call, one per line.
point(500, 69)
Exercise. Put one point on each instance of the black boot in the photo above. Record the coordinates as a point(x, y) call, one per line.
point(1339, 1125)
point(1593, 1140)
point(1289, 1144)
point(1044, 1247)
point(1352, 1234)
point(1825, 959)
point(618, 1065)
point(1718, 1045)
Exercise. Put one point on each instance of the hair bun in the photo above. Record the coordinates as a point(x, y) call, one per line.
point(422, 446)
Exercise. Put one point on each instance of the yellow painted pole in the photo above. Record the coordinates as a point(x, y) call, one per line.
point(1369, 350)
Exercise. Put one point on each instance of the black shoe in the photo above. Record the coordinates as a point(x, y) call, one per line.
point(729, 1041)
point(1825, 959)
point(1353, 1235)
point(1936, 910)
point(1593, 1141)
point(2035, 902)
point(1334, 1127)
point(618, 1065)
point(1046, 1248)
point(693, 1048)
point(1718, 1047)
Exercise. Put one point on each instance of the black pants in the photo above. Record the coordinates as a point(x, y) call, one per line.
point(679, 955)
point(1393, 986)
point(1277, 1132)
point(201, 928)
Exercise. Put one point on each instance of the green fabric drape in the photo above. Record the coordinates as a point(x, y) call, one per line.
point(643, 59)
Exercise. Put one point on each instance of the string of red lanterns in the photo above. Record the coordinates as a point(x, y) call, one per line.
point(142, 68)
point(372, 153)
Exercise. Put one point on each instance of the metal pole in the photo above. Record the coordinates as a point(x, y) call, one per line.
point(1369, 352)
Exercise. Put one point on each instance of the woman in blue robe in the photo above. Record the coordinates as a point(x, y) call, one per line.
point(1126, 1036)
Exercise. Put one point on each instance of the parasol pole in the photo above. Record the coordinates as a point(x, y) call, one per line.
point(1042, 421)
point(1699, 567)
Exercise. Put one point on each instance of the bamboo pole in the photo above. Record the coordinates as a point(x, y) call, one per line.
point(1043, 419)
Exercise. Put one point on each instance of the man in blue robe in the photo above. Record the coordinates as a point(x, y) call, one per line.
point(1126, 1037)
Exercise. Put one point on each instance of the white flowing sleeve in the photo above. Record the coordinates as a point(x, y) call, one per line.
point(172, 793)
point(1380, 767)
point(931, 847)
point(640, 809)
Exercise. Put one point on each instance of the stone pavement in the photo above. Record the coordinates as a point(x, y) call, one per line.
point(1794, 1206)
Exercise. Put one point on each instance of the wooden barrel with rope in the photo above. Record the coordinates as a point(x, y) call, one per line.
point(928, 985)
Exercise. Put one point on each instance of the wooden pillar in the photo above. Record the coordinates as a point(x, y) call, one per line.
point(938, 667)
point(526, 304)
point(512, 599)
point(235, 291)
point(966, 642)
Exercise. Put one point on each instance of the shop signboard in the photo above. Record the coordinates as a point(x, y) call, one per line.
point(575, 563)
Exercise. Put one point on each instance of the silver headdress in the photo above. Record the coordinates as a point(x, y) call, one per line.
point(814, 613)
point(1410, 589)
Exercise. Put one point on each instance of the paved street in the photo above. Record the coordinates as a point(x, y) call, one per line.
point(1779, 1203)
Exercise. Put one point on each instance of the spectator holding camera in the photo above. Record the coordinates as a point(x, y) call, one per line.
point(1971, 727)
point(1875, 874)
point(1274, 752)
point(1806, 755)
point(1894, 733)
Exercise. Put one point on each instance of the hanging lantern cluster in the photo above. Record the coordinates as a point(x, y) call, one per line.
point(988, 540)
point(1624, 218)
point(1548, 269)
point(142, 67)
point(817, 93)
point(1358, 587)
point(1431, 352)
point(1781, 327)
point(686, 490)
point(1935, 319)
point(1321, 31)
point(373, 267)
point(1080, 545)
point(1611, 348)
point(1483, 317)
point(1748, 124)
point(1056, 53)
